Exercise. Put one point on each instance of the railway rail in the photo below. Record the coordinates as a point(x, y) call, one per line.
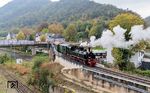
point(111, 72)
point(124, 75)
point(22, 88)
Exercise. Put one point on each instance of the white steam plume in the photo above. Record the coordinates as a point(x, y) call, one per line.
point(109, 40)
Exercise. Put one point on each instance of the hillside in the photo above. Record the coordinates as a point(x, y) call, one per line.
point(147, 21)
point(20, 13)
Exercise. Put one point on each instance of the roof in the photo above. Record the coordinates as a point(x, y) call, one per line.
point(146, 59)
point(99, 51)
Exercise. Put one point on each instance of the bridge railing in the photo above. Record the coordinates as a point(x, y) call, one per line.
point(16, 42)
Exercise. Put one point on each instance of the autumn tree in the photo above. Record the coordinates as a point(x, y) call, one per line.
point(126, 21)
point(29, 33)
point(70, 33)
point(41, 77)
point(43, 38)
point(56, 28)
point(20, 36)
point(42, 26)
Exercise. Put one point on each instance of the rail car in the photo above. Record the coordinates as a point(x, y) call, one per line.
point(77, 53)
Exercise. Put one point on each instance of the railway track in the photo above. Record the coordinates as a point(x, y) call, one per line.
point(22, 88)
point(115, 73)
point(120, 74)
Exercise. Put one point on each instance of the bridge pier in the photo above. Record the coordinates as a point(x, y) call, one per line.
point(33, 51)
point(148, 89)
point(114, 85)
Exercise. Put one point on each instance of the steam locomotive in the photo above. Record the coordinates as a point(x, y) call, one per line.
point(77, 53)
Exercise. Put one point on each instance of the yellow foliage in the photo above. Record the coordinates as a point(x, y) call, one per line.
point(56, 28)
point(20, 36)
point(43, 38)
point(126, 21)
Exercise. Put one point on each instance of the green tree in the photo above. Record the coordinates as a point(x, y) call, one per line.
point(4, 58)
point(142, 45)
point(20, 36)
point(70, 33)
point(44, 82)
point(31, 37)
point(126, 21)
point(121, 58)
point(45, 30)
point(93, 31)
point(96, 30)
point(41, 76)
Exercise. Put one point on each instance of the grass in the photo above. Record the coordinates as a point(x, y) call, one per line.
point(98, 48)
point(2, 38)
point(3, 86)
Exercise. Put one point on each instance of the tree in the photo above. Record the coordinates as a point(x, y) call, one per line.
point(126, 21)
point(97, 30)
point(142, 45)
point(20, 36)
point(93, 31)
point(121, 57)
point(42, 26)
point(41, 77)
point(32, 37)
point(43, 38)
point(70, 33)
point(4, 58)
point(45, 30)
point(56, 28)
point(82, 35)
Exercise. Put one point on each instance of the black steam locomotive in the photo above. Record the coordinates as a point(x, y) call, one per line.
point(77, 53)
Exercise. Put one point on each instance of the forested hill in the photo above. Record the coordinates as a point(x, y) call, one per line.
point(20, 13)
point(147, 21)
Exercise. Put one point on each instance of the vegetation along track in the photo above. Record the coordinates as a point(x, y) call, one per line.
point(22, 88)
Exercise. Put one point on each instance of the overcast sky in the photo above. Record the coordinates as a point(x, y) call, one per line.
point(142, 7)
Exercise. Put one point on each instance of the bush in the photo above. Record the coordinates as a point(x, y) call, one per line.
point(41, 77)
point(143, 73)
point(4, 58)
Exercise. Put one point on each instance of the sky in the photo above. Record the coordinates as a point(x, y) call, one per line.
point(142, 7)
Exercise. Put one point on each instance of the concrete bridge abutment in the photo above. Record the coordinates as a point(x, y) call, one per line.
point(100, 83)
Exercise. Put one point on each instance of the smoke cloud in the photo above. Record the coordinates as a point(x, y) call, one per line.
point(110, 40)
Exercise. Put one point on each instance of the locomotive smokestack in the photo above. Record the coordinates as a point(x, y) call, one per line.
point(89, 49)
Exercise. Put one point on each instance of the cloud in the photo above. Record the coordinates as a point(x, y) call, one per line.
point(3, 2)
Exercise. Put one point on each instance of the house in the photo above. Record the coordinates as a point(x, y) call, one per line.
point(137, 58)
point(141, 60)
point(37, 37)
point(146, 62)
point(54, 38)
point(11, 36)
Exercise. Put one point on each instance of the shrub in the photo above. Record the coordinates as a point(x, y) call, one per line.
point(4, 58)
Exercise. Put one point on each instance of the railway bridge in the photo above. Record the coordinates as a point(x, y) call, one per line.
point(114, 82)
point(19, 43)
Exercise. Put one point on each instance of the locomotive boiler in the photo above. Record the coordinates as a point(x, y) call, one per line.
point(77, 53)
